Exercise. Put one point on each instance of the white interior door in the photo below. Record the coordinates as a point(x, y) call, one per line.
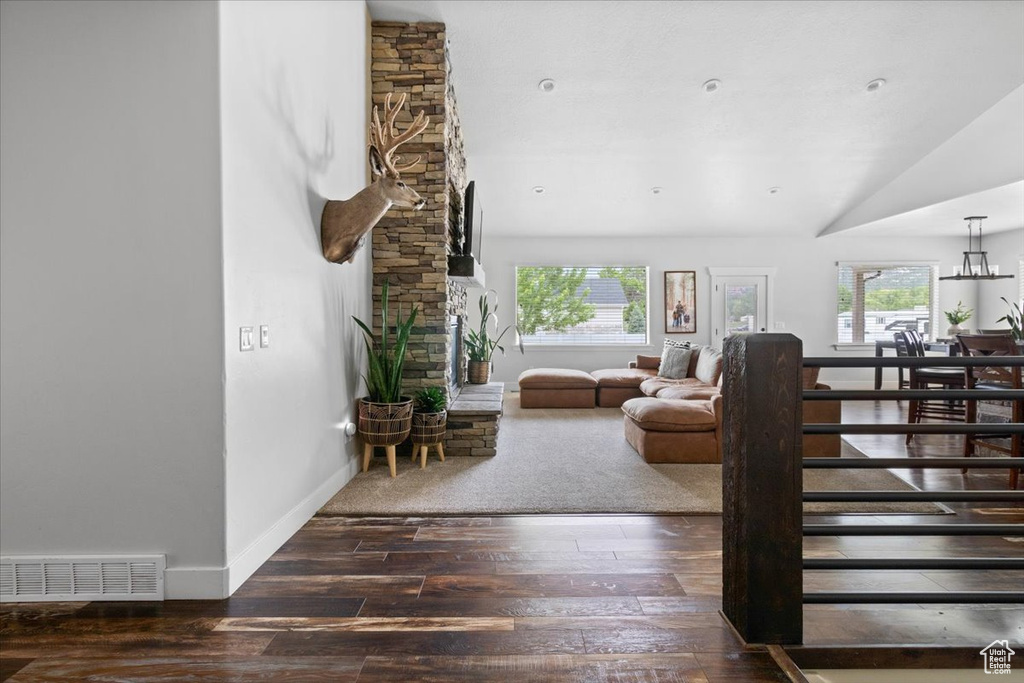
point(739, 304)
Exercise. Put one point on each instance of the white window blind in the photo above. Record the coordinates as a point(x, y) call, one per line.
point(877, 299)
point(574, 305)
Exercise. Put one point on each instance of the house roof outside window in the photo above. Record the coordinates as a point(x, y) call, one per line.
point(605, 291)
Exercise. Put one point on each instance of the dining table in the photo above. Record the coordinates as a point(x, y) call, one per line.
point(949, 347)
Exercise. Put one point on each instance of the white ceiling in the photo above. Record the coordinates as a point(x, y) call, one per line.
point(628, 112)
point(1003, 206)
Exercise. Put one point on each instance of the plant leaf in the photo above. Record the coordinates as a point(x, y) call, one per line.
point(384, 317)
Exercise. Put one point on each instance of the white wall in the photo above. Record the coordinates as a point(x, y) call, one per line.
point(294, 120)
point(1006, 250)
point(111, 405)
point(131, 422)
point(805, 285)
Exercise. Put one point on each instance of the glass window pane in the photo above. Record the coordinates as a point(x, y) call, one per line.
point(740, 308)
point(569, 305)
point(876, 301)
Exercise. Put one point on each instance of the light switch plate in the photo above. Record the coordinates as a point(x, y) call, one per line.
point(245, 339)
point(264, 336)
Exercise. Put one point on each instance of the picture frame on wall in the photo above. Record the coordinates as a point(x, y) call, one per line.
point(680, 302)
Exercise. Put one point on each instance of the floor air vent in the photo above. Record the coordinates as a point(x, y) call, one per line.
point(43, 579)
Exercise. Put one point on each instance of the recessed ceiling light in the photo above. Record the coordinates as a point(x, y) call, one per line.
point(539, 189)
point(547, 85)
point(876, 85)
point(711, 86)
point(655, 190)
point(774, 190)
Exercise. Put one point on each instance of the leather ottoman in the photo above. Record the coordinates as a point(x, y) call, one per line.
point(673, 430)
point(556, 388)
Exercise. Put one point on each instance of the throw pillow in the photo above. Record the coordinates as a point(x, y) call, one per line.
point(694, 359)
point(709, 366)
point(675, 361)
point(677, 344)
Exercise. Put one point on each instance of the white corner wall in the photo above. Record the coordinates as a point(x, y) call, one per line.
point(111, 405)
point(1005, 250)
point(805, 286)
point(293, 120)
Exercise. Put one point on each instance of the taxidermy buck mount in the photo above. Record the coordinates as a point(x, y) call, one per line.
point(345, 224)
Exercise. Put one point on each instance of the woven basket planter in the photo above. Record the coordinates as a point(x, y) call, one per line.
point(479, 372)
point(429, 428)
point(385, 424)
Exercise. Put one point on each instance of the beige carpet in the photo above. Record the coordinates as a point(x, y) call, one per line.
point(572, 461)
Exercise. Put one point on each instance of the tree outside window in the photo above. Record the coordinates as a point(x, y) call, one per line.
point(570, 305)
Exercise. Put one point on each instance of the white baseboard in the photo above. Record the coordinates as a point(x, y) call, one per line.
point(253, 557)
point(195, 583)
point(217, 583)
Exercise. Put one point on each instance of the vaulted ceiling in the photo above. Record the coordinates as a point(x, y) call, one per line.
point(942, 139)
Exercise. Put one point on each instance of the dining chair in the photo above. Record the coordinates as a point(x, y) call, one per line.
point(927, 378)
point(915, 340)
point(994, 378)
point(901, 352)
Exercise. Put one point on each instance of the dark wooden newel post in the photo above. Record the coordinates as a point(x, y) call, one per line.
point(762, 537)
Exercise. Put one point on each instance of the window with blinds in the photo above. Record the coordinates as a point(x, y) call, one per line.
point(571, 305)
point(877, 299)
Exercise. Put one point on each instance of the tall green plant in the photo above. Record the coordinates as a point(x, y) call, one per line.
point(480, 344)
point(1015, 319)
point(386, 358)
point(546, 297)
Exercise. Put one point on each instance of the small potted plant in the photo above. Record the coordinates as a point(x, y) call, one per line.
point(385, 416)
point(1015, 319)
point(956, 316)
point(429, 422)
point(480, 344)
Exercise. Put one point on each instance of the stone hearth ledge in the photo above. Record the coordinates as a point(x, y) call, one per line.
point(473, 420)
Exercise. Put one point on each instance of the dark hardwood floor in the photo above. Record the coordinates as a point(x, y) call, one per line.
point(539, 598)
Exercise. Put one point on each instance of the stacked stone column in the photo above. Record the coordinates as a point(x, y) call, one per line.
point(410, 248)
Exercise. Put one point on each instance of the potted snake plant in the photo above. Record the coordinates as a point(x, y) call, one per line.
point(480, 344)
point(385, 415)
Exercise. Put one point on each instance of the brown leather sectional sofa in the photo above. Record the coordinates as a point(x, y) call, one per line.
point(666, 420)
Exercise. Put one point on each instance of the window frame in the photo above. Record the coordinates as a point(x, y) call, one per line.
point(933, 297)
point(646, 345)
point(1020, 279)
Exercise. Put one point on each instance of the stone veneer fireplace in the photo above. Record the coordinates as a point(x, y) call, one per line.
point(411, 248)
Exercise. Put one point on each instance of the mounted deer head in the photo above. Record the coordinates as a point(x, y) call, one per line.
point(344, 224)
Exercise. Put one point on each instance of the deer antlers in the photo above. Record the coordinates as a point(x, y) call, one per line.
point(383, 139)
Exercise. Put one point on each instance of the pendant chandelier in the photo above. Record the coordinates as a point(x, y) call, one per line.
point(975, 266)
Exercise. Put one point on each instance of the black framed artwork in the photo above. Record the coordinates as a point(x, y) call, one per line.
point(680, 301)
